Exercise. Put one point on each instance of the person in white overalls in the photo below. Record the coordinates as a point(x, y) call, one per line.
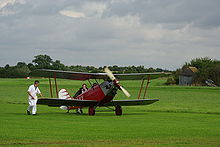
point(33, 90)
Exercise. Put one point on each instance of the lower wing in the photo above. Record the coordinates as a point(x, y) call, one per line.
point(86, 103)
point(66, 102)
point(132, 102)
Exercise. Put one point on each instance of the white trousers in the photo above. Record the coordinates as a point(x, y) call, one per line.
point(32, 105)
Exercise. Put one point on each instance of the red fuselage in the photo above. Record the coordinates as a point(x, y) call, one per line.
point(102, 93)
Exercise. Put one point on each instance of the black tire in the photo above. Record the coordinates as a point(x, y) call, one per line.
point(118, 110)
point(91, 110)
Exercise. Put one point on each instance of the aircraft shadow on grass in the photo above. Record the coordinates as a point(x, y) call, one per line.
point(102, 113)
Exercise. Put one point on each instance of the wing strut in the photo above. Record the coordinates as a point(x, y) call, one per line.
point(90, 83)
point(145, 90)
point(55, 79)
point(139, 94)
point(51, 90)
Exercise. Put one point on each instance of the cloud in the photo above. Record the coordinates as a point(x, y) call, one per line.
point(6, 6)
point(201, 13)
point(94, 9)
point(4, 3)
point(89, 10)
point(72, 14)
point(154, 33)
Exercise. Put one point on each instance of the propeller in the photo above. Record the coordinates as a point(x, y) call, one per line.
point(125, 91)
point(109, 73)
point(112, 77)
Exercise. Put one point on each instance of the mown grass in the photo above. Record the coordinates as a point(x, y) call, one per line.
point(184, 116)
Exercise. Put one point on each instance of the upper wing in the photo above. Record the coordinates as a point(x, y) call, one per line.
point(85, 76)
point(132, 102)
point(67, 74)
point(65, 102)
point(140, 76)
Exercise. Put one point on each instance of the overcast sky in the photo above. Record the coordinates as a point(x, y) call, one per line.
point(153, 33)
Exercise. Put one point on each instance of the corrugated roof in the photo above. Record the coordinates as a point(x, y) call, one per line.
point(189, 71)
point(193, 69)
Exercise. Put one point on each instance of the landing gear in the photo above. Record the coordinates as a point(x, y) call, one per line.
point(91, 110)
point(118, 110)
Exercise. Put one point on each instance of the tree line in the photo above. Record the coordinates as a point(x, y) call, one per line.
point(22, 69)
point(207, 69)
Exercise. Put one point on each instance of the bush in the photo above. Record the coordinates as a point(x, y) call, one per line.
point(170, 81)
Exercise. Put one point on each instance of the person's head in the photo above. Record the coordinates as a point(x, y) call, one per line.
point(36, 83)
point(84, 86)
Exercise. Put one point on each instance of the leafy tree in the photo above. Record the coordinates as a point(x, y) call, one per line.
point(21, 64)
point(200, 63)
point(7, 66)
point(21, 71)
point(43, 62)
point(31, 66)
point(159, 70)
point(214, 73)
point(140, 69)
point(58, 66)
point(3, 72)
point(151, 69)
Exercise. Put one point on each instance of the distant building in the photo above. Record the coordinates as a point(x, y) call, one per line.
point(186, 76)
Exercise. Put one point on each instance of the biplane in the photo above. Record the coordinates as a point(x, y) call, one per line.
point(100, 94)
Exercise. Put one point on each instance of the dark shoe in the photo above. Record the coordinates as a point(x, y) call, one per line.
point(79, 111)
point(34, 114)
point(28, 112)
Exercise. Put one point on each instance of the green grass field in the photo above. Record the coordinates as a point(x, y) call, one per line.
point(184, 116)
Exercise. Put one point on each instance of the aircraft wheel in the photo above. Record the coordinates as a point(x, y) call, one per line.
point(118, 110)
point(91, 110)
